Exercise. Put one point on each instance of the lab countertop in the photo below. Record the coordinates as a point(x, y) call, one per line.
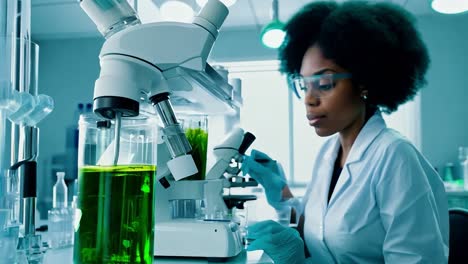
point(461, 193)
point(65, 255)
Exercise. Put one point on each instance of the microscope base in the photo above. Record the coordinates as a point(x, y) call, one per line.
point(197, 238)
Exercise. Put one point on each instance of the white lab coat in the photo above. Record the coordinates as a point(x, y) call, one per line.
point(389, 205)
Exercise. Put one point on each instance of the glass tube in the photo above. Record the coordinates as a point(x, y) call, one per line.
point(8, 26)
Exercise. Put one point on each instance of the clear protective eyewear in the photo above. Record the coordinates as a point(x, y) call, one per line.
point(320, 86)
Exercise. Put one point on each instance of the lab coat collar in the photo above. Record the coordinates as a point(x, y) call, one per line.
point(331, 153)
point(368, 133)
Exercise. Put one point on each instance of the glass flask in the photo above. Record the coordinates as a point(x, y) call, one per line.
point(115, 194)
point(196, 130)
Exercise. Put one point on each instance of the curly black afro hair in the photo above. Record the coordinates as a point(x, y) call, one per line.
point(376, 42)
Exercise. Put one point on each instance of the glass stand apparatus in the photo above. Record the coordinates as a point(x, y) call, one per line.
point(116, 190)
point(21, 109)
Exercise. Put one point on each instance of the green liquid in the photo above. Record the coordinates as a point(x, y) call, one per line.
point(198, 139)
point(117, 219)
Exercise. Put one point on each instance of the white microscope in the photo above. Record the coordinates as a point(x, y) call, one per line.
point(164, 64)
point(192, 217)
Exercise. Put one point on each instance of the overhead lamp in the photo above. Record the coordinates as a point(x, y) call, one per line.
point(450, 6)
point(227, 3)
point(178, 11)
point(273, 33)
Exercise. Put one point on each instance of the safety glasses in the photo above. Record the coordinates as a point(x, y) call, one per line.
point(320, 86)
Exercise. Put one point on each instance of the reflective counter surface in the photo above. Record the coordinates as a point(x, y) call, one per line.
point(65, 256)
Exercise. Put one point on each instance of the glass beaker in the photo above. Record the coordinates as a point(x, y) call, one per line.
point(116, 201)
point(196, 130)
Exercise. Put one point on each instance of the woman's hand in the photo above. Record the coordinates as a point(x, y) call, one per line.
point(283, 244)
point(266, 172)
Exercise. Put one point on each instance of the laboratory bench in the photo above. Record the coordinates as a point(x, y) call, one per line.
point(457, 199)
point(65, 255)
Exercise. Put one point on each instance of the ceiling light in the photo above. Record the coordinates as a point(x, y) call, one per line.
point(227, 3)
point(273, 34)
point(450, 6)
point(176, 11)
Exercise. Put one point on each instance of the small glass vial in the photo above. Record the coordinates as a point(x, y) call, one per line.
point(60, 192)
point(448, 172)
point(60, 217)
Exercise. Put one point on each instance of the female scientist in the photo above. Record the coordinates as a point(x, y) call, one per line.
point(372, 196)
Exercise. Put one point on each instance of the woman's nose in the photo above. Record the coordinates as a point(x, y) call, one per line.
point(311, 100)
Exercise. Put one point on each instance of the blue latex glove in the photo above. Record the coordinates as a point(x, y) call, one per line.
point(267, 175)
point(265, 160)
point(283, 244)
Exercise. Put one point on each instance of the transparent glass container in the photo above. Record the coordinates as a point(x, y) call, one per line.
point(60, 218)
point(187, 208)
point(116, 201)
point(196, 130)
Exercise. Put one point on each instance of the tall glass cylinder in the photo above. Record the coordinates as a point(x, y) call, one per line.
point(116, 201)
point(196, 130)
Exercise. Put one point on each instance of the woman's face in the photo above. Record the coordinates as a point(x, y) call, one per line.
point(342, 109)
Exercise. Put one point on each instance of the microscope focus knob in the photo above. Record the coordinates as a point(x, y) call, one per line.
point(249, 138)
